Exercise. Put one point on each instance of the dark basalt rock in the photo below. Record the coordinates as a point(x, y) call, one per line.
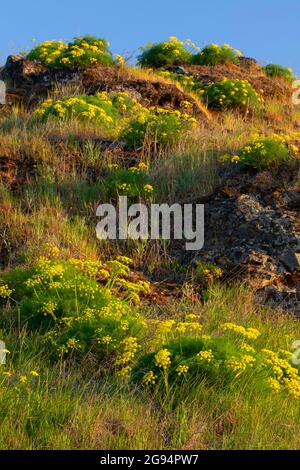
point(252, 233)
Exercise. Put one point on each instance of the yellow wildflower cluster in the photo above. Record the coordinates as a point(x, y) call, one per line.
point(171, 328)
point(249, 333)
point(83, 51)
point(265, 151)
point(120, 59)
point(239, 364)
point(230, 93)
point(163, 126)
point(130, 347)
point(148, 188)
point(284, 374)
point(205, 355)
point(120, 116)
point(106, 340)
point(214, 54)
point(51, 251)
point(48, 308)
point(163, 359)
point(5, 291)
point(182, 369)
point(247, 348)
point(149, 378)
point(168, 52)
point(124, 372)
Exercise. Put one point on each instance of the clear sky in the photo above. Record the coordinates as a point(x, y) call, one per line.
point(264, 29)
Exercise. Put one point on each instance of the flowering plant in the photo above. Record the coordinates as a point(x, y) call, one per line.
point(167, 53)
point(133, 182)
point(159, 126)
point(230, 93)
point(83, 51)
point(214, 54)
point(263, 151)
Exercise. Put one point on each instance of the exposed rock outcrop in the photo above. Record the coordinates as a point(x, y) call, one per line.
point(252, 231)
point(29, 81)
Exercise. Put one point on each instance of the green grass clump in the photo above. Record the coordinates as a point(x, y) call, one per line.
point(230, 93)
point(82, 52)
point(214, 55)
point(264, 152)
point(162, 54)
point(273, 70)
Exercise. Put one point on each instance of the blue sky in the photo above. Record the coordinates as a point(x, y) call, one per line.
point(266, 30)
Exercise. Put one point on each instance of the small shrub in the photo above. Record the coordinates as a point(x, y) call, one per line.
point(78, 305)
point(83, 51)
point(265, 152)
point(48, 52)
point(231, 93)
point(122, 117)
point(158, 126)
point(273, 70)
point(214, 54)
point(111, 110)
point(224, 358)
point(162, 54)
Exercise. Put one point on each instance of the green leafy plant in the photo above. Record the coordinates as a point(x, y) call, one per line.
point(158, 126)
point(264, 152)
point(214, 54)
point(230, 93)
point(162, 54)
point(122, 117)
point(83, 51)
point(111, 110)
point(78, 305)
point(273, 70)
point(221, 359)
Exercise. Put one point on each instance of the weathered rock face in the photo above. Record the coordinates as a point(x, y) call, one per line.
point(252, 231)
point(30, 81)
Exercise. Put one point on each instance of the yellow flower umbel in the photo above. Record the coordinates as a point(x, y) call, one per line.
point(148, 188)
point(274, 384)
point(163, 359)
point(5, 291)
point(120, 59)
point(206, 356)
point(240, 364)
point(249, 333)
point(34, 373)
point(149, 378)
point(182, 370)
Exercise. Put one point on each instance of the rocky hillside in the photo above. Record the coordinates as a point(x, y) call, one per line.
point(252, 219)
point(114, 344)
